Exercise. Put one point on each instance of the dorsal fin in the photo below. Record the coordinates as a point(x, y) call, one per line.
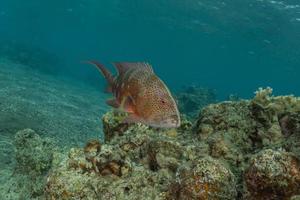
point(106, 73)
point(122, 67)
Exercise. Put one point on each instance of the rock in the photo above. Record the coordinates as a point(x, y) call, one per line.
point(112, 124)
point(33, 153)
point(290, 125)
point(272, 175)
point(209, 159)
point(205, 179)
point(142, 184)
point(224, 117)
point(164, 154)
point(226, 128)
point(34, 156)
point(92, 149)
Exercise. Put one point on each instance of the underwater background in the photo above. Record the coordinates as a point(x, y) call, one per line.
point(232, 46)
point(206, 51)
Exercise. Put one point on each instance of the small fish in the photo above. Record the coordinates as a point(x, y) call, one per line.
point(140, 93)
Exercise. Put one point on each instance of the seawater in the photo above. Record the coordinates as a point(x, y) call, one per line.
point(232, 46)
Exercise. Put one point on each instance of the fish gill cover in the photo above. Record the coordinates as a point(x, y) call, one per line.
point(211, 54)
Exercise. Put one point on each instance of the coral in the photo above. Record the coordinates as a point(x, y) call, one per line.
point(262, 96)
point(225, 127)
point(266, 108)
point(225, 116)
point(186, 125)
point(290, 125)
point(104, 161)
point(109, 172)
point(273, 175)
point(164, 154)
point(277, 117)
point(112, 124)
point(141, 184)
point(193, 98)
point(136, 163)
point(207, 178)
point(236, 130)
point(246, 149)
point(281, 104)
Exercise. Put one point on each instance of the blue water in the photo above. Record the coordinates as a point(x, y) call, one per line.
point(232, 46)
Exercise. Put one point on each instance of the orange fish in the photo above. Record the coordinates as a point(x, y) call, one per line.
point(140, 93)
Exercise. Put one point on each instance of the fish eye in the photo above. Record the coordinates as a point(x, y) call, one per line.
point(162, 101)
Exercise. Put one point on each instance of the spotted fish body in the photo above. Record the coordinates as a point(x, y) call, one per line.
point(139, 92)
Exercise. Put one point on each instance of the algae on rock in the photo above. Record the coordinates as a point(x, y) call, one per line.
point(272, 175)
point(226, 154)
point(207, 178)
point(138, 163)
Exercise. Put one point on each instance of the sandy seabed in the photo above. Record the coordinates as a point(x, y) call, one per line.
point(68, 112)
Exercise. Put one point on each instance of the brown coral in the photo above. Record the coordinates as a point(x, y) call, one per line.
point(206, 179)
point(273, 175)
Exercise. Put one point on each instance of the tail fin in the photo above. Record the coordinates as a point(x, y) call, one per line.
point(108, 76)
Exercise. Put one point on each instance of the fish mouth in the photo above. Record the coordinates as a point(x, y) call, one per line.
point(164, 125)
point(175, 120)
point(171, 122)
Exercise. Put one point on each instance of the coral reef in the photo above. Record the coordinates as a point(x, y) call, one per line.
point(226, 127)
point(235, 131)
point(135, 165)
point(246, 149)
point(193, 98)
point(140, 163)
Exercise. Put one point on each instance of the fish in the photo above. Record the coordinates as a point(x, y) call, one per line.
point(138, 91)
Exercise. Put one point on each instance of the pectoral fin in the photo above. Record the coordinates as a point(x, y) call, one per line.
point(127, 104)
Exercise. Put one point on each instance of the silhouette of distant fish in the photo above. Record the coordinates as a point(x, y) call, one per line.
point(140, 93)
